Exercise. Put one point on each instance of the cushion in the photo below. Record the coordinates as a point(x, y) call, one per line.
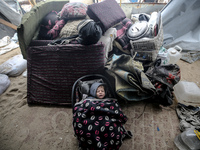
point(73, 10)
point(107, 13)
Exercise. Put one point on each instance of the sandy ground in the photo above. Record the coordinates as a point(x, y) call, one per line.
point(24, 127)
point(41, 127)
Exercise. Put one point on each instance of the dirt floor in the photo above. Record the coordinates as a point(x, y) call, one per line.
point(24, 127)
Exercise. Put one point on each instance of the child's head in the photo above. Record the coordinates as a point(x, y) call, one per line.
point(100, 93)
point(98, 90)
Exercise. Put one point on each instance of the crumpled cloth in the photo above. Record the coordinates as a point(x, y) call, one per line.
point(122, 38)
point(189, 117)
point(4, 41)
point(131, 83)
point(6, 45)
point(164, 77)
point(191, 56)
point(55, 31)
point(107, 39)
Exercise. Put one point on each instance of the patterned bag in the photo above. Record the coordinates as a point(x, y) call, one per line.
point(98, 124)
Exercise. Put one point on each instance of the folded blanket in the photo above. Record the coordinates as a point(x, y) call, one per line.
point(131, 83)
point(122, 28)
point(107, 13)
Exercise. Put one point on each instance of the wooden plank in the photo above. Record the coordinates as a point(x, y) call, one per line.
point(32, 2)
point(8, 24)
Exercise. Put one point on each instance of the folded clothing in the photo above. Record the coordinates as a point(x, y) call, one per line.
point(107, 13)
point(89, 32)
point(122, 37)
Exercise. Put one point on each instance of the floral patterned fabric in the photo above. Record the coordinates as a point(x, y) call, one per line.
point(74, 10)
point(47, 23)
point(50, 26)
point(54, 32)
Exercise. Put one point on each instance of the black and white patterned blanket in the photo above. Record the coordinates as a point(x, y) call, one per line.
point(98, 124)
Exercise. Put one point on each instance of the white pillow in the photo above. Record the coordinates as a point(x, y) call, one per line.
point(4, 83)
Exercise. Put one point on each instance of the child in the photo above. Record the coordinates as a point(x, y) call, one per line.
point(98, 90)
point(98, 121)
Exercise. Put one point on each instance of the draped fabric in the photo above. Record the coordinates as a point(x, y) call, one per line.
point(98, 124)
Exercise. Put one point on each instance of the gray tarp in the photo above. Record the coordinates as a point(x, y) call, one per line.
point(11, 12)
point(181, 24)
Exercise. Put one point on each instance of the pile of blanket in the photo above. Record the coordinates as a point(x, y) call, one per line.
point(105, 22)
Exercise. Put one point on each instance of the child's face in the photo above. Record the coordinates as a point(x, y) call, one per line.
point(100, 92)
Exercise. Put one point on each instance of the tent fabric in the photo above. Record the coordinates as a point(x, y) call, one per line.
point(181, 24)
point(9, 11)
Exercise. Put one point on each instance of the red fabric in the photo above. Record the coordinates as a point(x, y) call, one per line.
point(54, 32)
point(73, 10)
